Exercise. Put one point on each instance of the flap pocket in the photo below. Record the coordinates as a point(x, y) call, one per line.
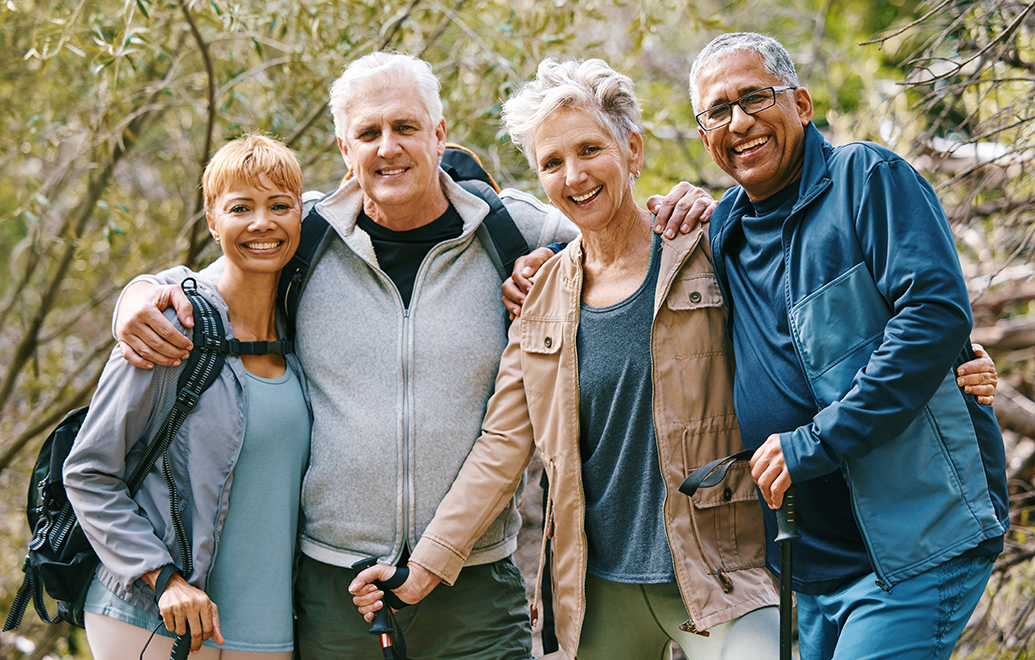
point(736, 487)
point(694, 291)
point(542, 337)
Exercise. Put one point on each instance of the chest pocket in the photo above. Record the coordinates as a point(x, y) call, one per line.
point(694, 291)
point(541, 337)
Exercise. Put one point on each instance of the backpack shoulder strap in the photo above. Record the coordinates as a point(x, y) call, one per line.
point(202, 369)
point(296, 272)
point(498, 233)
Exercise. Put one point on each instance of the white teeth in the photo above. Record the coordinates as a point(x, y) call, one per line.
point(582, 198)
point(263, 246)
point(391, 172)
point(750, 145)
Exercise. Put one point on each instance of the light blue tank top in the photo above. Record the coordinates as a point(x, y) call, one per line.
point(251, 578)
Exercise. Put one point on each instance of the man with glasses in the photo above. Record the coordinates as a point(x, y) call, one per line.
point(848, 312)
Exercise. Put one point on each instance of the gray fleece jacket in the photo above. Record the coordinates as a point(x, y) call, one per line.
point(398, 394)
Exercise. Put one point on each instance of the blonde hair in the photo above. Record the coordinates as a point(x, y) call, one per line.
point(241, 161)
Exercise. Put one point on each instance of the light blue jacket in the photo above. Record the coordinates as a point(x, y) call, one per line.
point(135, 536)
point(879, 316)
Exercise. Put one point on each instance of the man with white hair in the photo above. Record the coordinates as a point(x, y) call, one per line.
point(400, 331)
point(848, 311)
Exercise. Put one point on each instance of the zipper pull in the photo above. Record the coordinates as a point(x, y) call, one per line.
point(690, 627)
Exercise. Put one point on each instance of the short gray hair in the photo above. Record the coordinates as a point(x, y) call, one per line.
point(381, 70)
point(775, 58)
point(589, 85)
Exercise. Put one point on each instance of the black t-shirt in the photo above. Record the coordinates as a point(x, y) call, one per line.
point(400, 253)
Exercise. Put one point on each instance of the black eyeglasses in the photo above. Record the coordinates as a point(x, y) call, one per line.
point(751, 103)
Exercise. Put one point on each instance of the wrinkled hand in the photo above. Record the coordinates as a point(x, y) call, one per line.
point(183, 604)
point(682, 208)
point(979, 377)
point(769, 471)
point(517, 286)
point(367, 597)
point(146, 337)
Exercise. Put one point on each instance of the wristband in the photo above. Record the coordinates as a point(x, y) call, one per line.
point(163, 580)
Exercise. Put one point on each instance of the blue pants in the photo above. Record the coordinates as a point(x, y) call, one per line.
point(920, 619)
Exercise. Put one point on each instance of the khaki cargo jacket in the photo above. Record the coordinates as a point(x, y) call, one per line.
point(716, 538)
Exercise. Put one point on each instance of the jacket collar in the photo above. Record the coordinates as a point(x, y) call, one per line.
point(341, 209)
point(815, 178)
point(673, 253)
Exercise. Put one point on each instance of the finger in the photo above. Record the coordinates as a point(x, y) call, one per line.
point(707, 215)
point(653, 202)
point(205, 617)
point(217, 631)
point(780, 486)
point(131, 356)
point(983, 391)
point(513, 309)
point(169, 618)
point(166, 333)
point(981, 365)
point(985, 400)
point(196, 628)
point(145, 354)
point(696, 214)
point(513, 298)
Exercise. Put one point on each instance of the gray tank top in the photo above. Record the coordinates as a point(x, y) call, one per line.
point(620, 470)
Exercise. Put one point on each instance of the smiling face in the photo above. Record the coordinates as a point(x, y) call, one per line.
point(256, 225)
point(392, 147)
point(763, 152)
point(584, 170)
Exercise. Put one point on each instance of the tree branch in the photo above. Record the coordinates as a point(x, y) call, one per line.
point(197, 233)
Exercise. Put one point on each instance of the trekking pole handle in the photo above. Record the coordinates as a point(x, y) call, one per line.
point(787, 519)
point(181, 647)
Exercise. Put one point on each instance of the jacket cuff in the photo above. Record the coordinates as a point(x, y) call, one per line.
point(439, 558)
point(805, 455)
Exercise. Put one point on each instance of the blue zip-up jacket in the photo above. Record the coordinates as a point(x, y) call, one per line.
point(879, 316)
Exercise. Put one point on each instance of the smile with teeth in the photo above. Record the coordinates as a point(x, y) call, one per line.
point(741, 148)
point(392, 172)
point(265, 245)
point(581, 198)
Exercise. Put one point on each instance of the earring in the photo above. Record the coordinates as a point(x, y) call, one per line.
point(636, 174)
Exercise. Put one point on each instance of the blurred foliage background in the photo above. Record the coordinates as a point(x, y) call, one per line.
point(111, 108)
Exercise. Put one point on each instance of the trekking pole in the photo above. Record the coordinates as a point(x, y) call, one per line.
point(381, 626)
point(787, 522)
point(181, 647)
point(786, 534)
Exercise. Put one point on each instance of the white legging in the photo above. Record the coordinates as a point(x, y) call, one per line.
point(111, 639)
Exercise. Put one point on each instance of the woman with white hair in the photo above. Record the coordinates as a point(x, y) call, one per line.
point(618, 372)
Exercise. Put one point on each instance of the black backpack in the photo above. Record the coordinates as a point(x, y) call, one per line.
point(60, 559)
point(502, 240)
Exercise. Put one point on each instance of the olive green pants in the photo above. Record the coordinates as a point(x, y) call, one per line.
point(639, 622)
point(484, 616)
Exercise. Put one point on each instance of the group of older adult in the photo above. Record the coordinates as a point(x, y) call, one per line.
point(831, 275)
